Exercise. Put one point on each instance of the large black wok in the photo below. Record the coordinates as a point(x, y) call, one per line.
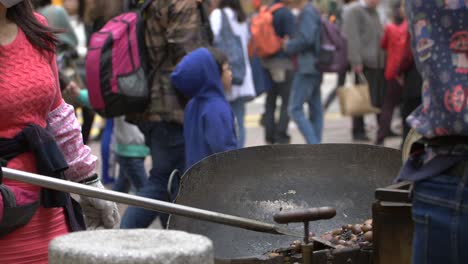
point(261, 181)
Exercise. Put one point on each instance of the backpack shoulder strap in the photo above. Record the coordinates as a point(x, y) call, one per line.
point(205, 23)
point(136, 5)
point(145, 5)
point(275, 7)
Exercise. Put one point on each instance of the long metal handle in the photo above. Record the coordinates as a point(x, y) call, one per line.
point(150, 204)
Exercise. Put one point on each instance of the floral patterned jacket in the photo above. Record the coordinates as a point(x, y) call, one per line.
point(439, 30)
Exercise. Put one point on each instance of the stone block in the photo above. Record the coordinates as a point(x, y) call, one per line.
point(131, 247)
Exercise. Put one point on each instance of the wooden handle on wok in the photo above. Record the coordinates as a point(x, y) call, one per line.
point(305, 215)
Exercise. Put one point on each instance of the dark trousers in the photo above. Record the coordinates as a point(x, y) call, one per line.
point(167, 145)
point(88, 113)
point(278, 131)
point(88, 118)
point(392, 99)
point(411, 98)
point(408, 105)
point(358, 125)
point(377, 87)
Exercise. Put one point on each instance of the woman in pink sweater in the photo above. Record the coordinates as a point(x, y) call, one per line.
point(31, 97)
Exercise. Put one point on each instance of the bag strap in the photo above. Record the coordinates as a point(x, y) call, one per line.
point(226, 20)
point(136, 5)
point(203, 14)
point(362, 78)
point(145, 5)
point(205, 23)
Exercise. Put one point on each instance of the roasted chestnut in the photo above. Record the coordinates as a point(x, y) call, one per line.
point(366, 228)
point(336, 232)
point(357, 229)
point(368, 236)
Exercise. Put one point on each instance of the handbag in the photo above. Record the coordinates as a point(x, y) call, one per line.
point(355, 99)
point(231, 44)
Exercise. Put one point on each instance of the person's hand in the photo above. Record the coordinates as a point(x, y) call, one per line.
point(99, 213)
point(73, 88)
point(285, 42)
point(358, 68)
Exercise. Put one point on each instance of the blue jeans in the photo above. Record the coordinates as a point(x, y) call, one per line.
point(440, 216)
point(132, 172)
point(166, 142)
point(238, 107)
point(306, 89)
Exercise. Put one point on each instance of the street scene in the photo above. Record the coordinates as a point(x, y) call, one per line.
point(337, 127)
point(233, 131)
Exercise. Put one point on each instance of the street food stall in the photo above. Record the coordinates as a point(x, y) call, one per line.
point(265, 182)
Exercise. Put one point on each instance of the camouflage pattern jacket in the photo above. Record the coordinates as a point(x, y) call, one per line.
point(173, 29)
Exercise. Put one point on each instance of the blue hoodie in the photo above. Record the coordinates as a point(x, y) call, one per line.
point(209, 121)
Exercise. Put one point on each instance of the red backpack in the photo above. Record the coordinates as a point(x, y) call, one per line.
point(264, 40)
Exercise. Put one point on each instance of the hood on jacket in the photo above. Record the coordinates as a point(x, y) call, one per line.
point(197, 75)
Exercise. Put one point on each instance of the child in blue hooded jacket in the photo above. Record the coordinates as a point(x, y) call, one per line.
point(203, 75)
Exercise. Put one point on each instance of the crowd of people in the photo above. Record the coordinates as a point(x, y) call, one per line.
point(207, 64)
point(291, 74)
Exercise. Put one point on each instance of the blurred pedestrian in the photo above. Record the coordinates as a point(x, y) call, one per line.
point(362, 27)
point(173, 29)
point(76, 11)
point(280, 71)
point(130, 151)
point(237, 21)
point(98, 12)
point(394, 42)
point(305, 45)
point(39, 133)
point(358, 129)
point(58, 18)
point(205, 75)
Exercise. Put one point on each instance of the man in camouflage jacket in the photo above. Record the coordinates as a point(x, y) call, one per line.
point(173, 29)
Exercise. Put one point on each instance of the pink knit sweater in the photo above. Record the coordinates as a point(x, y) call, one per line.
point(29, 93)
